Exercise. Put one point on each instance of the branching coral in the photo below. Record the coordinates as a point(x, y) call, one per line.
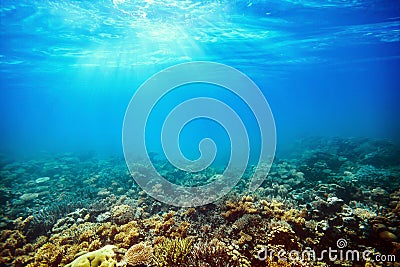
point(244, 238)
point(164, 227)
point(172, 252)
point(169, 227)
point(48, 255)
point(277, 210)
point(128, 234)
point(281, 234)
point(11, 239)
point(11, 244)
point(190, 213)
point(213, 254)
point(238, 208)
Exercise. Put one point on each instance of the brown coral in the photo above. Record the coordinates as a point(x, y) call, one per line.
point(173, 252)
point(139, 254)
point(190, 213)
point(244, 238)
point(48, 255)
point(11, 239)
point(238, 208)
point(212, 254)
point(122, 214)
point(282, 234)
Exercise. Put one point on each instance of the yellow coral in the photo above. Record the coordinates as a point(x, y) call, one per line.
point(172, 252)
point(86, 235)
point(294, 216)
point(364, 214)
point(238, 208)
point(95, 244)
point(247, 199)
point(244, 238)
point(237, 257)
point(48, 255)
point(104, 257)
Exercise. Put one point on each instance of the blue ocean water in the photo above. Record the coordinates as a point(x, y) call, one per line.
point(68, 69)
point(329, 70)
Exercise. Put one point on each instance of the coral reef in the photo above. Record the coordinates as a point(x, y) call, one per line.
point(237, 209)
point(212, 254)
point(172, 252)
point(122, 214)
point(104, 257)
point(333, 190)
point(49, 255)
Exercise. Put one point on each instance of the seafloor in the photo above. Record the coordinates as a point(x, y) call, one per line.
point(328, 196)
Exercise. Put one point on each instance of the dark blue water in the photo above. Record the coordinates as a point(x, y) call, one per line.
point(68, 69)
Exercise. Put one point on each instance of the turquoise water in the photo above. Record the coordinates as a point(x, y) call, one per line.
point(69, 68)
point(70, 181)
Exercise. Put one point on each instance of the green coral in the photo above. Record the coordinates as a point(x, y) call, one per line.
point(104, 257)
point(172, 252)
